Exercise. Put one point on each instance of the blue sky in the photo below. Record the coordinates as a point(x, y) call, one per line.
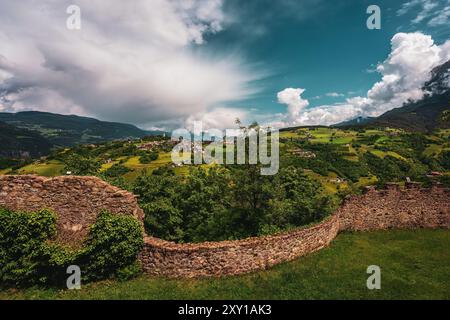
point(326, 50)
point(167, 63)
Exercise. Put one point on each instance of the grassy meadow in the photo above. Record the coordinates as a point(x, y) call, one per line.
point(414, 265)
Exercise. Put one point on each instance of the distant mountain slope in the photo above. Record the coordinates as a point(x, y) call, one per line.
point(68, 130)
point(16, 142)
point(423, 115)
point(355, 122)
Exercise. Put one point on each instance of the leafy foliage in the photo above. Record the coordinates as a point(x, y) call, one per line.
point(82, 166)
point(28, 255)
point(113, 245)
point(446, 116)
point(117, 170)
point(445, 160)
point(219, 204)
point(147, 158)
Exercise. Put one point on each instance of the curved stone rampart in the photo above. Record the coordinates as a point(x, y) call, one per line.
point(77, 201)
point(390, 208)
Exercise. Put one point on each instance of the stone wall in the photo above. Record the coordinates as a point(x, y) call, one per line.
point(162, 258)
point(396, 208)
point(393, 207)
point(76, 200)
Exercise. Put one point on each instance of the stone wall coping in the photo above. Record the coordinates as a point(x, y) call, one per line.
point(86, 180)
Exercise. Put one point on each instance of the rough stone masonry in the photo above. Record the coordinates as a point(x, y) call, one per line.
point(77, 201)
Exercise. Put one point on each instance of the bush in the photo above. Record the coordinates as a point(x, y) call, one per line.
point(129, 272)
point(444, 159)
point(28, 256)
point(147, 158)
point(445, 180)
point(113, 244)
point(81, 166)
point(116, 170)
point(163, 219)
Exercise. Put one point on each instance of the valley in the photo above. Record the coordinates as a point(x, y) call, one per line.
point(326, 164)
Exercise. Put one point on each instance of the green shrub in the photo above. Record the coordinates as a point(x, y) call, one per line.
point(113, 244)
point(163, 219)
point(129, 272)
point(81, 166)
point(445, 180)
point(117, 170)
point(28, 256)
point(147, 158)
point(217, 204)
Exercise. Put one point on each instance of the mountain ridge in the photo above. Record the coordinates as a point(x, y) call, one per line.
point(69, 130)
point(423, 115)
point(17, 142)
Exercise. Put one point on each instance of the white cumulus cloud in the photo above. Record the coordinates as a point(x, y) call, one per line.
point(293, 99)
point(218, 118)
point(403, 74)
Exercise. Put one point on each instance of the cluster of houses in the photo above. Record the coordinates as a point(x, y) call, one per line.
point(434, 174)
point(305, 135)
point(153, 145)
point(303, 153)
point(338, 180)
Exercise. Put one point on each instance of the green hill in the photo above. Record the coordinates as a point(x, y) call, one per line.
point(69, 130)
point(17, 142)
point(423, 116)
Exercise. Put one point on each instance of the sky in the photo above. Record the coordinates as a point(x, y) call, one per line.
point(163, 64)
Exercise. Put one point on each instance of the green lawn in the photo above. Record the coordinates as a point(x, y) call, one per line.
point(433, 150)
point(50, 169)
point(383, 154)
point(134, 164)
point(289, 134)
point(414, 265)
